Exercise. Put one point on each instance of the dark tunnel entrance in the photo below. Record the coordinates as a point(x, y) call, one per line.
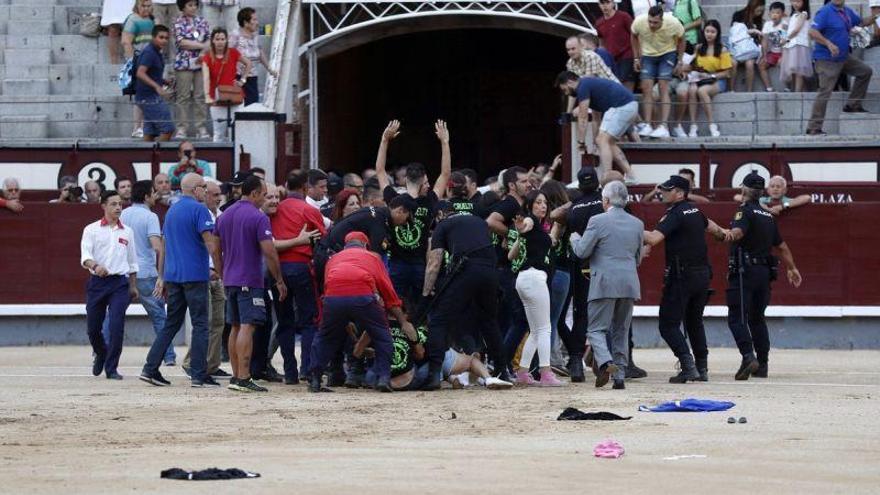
point(493, 87)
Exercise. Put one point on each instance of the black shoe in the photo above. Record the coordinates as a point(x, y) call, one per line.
point(154, 378)
point(291, 381)
point(187, 371)
point(704, 375)
point(384, 386)
point(633, 372)
point(854, 109)
point(315, 385)
point(98, 364)
point(815, 132)
point(220, 374)
point(605, 372)
point(688, 371)
point(505, 375)
point(336, 378)
point(207, 382)
point(269, 377)
point(576, 369)
point(433, 382)
point(761, 372)
point(618, 385)
point(354, 380)
point(747, 368)
point(114, 376)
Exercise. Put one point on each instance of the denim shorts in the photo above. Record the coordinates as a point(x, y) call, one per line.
point(617, 120)
point(245, 306)
point(448, 362)
point(157, 116)
point(660, 67)
point(623, 69)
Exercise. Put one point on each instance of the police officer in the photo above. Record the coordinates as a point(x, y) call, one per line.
point(575, 216)
point(471, 283)
point(753, 235)
point(686, 278)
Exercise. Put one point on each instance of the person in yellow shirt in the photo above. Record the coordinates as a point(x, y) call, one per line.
point(708, 76)
point(658, 44)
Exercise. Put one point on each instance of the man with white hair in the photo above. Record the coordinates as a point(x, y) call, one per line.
point(10, 199)
point(613, 244)
point(776, 201)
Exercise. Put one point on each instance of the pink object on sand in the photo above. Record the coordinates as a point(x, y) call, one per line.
point(609, 449)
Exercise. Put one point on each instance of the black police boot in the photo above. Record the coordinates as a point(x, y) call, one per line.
point(384, 385)
point(703, 369)
point(688, 371)
point(748, 367)
point(576, 369)
point(618, 384)
point(356, 374)
point(761, 372)
point(315, 384)
point(433, 382)
point(632, 370)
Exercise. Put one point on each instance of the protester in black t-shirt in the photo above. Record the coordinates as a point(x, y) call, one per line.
point(409, 242)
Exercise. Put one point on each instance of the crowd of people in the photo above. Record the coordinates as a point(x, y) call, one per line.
point(203, 57)
point(396, 282)
point(673, 52)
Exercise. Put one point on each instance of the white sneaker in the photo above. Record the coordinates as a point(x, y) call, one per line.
point(679, 131)
point(203, 133)
point(493, 383)
point(645, 130)
point(460, 381)
point(660, 132)
point(693, 131)
point(180, 134)
point(713, 129)
point(138, 133)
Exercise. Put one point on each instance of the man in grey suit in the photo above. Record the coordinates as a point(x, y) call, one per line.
point(613, 244)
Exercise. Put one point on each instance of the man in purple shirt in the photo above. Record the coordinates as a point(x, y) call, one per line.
point(245, 238)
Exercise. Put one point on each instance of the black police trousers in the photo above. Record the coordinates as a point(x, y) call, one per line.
point(684, 296)
point(746, 303)
point(472, 293)
point(575, 339)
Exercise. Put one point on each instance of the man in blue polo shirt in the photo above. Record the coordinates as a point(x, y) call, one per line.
point(619, 109)
point(188, 239)
point(149, 91)
point(830, 32)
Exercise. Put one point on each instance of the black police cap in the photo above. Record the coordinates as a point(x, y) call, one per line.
point(753, 181)
point(239, 177)
point(588, 179)
point(676, 181)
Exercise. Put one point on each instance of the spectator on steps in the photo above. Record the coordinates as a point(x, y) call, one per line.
point(688, 13)
point(831, 55)
point(136, 35)
point(658, 47)
point(875, 31)
point(186, 163)
point(113, 15)
point(796, 61)
point(752, 16)
point(191, 40)
point(221, 13)
point(774, 32)
point(165, 12)
point(590, 42)
point(150, 89)
point(11, 197)
point(707, 77)
point(614, 29)
point(220, 69)
point(246, 40)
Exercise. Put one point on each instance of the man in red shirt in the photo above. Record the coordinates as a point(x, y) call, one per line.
point(356, 286)
point(614, 29)
point(302, 224)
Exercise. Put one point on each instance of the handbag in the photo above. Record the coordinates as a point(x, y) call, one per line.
point(90, 25)
point(227, 95)
point(742, 46)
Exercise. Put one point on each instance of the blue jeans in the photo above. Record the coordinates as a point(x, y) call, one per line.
point(558, 294)
point(297, 314)
point(408, 278)
point(155, 308)
point(192, 295)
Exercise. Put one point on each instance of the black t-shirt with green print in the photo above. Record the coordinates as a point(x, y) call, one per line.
point(535, 250)
point(401, 348)
point(409, 242)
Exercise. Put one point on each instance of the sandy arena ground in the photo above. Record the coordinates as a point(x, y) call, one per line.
point(808, 431)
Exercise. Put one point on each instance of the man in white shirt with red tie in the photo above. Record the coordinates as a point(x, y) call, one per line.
point(108, 253)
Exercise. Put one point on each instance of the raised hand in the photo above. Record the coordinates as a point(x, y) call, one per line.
point(391, 131)
point(523, 224)
point(441, 131)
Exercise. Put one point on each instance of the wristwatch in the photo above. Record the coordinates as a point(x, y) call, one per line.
point(786, 205)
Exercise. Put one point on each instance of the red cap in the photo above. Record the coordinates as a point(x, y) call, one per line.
point(357, 236)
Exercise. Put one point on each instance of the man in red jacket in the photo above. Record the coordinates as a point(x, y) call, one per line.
point(302, 224)
point(356, 286)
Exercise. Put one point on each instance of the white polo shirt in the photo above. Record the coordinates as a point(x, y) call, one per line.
point(111, 246)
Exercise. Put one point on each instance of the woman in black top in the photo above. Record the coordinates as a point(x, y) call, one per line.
point(530, 257)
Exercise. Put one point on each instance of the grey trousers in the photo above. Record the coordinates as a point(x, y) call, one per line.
point(610, 318)
point(828, 73)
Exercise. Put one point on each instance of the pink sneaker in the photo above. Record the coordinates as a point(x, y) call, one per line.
point(548, 379)
point(523, 377)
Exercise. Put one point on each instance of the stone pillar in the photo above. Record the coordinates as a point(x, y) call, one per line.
point(255, 131)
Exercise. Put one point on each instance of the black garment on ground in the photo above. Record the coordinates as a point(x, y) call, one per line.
point(410, 241)
point(572, 414)
point(372, 221)
point(207, 474)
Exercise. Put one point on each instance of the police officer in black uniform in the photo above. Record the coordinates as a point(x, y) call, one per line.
point(752, 267)
point(686, 278)
point(470, 283)
point(575, 217)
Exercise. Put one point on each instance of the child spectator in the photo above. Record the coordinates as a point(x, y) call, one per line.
point(796, 57)
point(774, 33)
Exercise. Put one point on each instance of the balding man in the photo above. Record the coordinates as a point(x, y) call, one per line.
point(11, 195)
point(188, 240)
point(162, 185)
point(353, 181)
point(586, 63)
point(93, 192)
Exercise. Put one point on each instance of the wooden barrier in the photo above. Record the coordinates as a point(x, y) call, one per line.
point(834, 245)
